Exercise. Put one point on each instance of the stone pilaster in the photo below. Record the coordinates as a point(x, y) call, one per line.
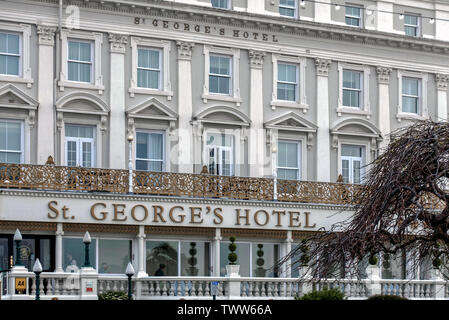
point(117, 139)
point(442, 81)
point(322, 100)
point(256, 155)
point(45, 127)
point(383, 80)
point(185, 108)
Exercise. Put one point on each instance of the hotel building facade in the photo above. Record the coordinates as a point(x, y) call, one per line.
point(172, 125)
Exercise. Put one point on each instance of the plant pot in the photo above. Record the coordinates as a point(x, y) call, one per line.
point(260, 272)
point(232, 270)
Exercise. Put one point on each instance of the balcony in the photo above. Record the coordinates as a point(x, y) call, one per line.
point(60, 178)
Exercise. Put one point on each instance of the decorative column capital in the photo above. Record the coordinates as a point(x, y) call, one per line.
point(383, 74)
point(46, 35)
point(185, 50)
point(256, 59)
point(117, 43)
point(442, 81)
point(322, 66)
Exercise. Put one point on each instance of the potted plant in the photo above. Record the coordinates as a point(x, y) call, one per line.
point(193, 270)
point(260, 271)
point(232, 269)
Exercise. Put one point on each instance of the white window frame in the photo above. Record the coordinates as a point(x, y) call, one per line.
point(24, 32)
point(418, 26)
point(286, 82)
point(160, 70)
point(366, 156)
point(97, 258)
point(360, 90)
point(228, 7)
point(14, 55)
point(365, 108)
point(211, 251)
point(164, 46)
point(218, 154)
point(234, 95)
point(299, 165)
point(351, 165)
point(97, 77)
point(22, 138)
point(423, 110)
point(229, 76)
point(295, 8)
point(162, 133)
point(79, 142)
point(91, 62)
point(235, 149)
point(355, 17)
point(301, 97)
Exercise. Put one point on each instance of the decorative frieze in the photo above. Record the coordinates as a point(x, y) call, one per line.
point(442, 81)
point(322, 67)
point(256, 58)
point(184, 50)
point(117, 43)
point(46, 35)
point(383, 74)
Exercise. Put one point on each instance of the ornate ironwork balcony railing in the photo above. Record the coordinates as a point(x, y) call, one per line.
point(51, 177)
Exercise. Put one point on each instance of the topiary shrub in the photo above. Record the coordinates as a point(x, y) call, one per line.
point(113, 295)
point(324, 294)
point(386, 297)
point(372, 260)
point(232, 257)
point(305, 258)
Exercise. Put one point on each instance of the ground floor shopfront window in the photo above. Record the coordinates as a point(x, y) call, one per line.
point(74, 254)
point(114, 255)
point(178, 258)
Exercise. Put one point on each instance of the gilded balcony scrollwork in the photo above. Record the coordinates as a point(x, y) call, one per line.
point(51, 177)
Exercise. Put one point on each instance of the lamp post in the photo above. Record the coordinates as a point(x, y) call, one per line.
point(274, 151)
point(37, 269)
point(18, 240)
point(130, 163)
point(87, 240)
point(129, 272)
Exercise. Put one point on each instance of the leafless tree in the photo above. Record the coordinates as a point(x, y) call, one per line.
point(403, 204)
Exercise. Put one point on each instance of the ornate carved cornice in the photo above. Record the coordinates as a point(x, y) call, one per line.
point(322, 67)
point(254, 233)
point(256, 59)
point(184, 50)
point(103, 228)
point(27, 226)
point(184, 231)
point(383, 74)
point(117, 43)
point(46, 35)
point(442, 81)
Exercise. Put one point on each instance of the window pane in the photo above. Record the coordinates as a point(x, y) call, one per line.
point(356, 166)
point(410, 31)
point(85, 51)
point(288, 174)
point(351, 98)
point(345, 170)
point(3, 43)
point(410, 104)
point(27, 251)
point(113, 255)
point(142, 60)
point(393, 266)
point(352, 79)
point(74, 53)
point(2, 64)
point(71, 153)
point(290, 3)
point(286, 72)
point(195, 259)
point(4, 256)
point(73, 71)
point(13, 43)
point(411, 20)
point(142, 145)
point(220, 65)
point(79, 131)
point(162, 258)
point(243, 255)
point(410, 86)
point(3, 135)
point(87, 154)
point(286, 92)
point(348, 150)
point(213, 84)
point(13, 157)
point(223, 85)
point(287, 12)
point(73, 254)
point(14, 136)
point(220, 4)
point(84, 70)
point(156, 146)
point(352, 21)
point(153, 79)
point(264, 256)
point(12, 66)
point(214, 64)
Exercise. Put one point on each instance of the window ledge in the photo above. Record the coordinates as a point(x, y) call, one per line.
point(219, 97)
point(17, 79)
point(138, 90)
point(80, 85)
point(289, 104)
point(351, 110)
point(410, 116)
